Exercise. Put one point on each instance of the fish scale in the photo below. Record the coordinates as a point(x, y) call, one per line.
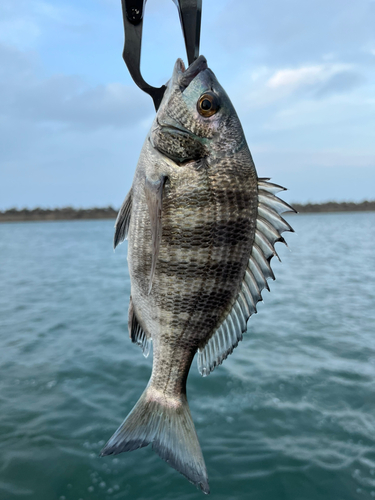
point(198, 231)
point(202, 229)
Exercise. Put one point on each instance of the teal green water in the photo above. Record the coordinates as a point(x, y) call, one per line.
point(290, 415)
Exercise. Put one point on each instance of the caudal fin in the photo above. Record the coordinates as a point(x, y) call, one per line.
point(167, 424)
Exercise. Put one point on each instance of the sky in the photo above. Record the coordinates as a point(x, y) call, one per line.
point(300, 74)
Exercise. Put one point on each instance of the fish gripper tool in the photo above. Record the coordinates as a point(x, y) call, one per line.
point(190, 12)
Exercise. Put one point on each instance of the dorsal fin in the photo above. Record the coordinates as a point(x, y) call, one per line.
point(269, 226)
point(136, 332)
point(123, 220)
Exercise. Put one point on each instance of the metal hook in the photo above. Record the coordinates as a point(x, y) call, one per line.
point(190, 12)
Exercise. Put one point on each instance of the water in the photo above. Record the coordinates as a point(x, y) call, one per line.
point(289, 415)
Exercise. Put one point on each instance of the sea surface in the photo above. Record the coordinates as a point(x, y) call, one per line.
point(290, 415)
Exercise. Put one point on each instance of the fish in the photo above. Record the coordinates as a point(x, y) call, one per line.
point(201, 229)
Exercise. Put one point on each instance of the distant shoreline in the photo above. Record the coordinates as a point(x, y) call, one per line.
point(70, 213)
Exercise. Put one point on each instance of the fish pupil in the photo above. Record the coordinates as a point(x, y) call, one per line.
point(206, 104)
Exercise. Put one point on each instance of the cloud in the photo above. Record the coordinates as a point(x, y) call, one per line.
point(343, 81)
point(64, 140)
point(306, 75)
point(65, 100)
point(293, 32)
point(23, 22)
point(72, 122)
point(268, 88)
point(70, 102)
point(323, 79)
point(341, 116)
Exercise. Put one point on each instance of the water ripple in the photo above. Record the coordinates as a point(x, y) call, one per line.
point(289, 415)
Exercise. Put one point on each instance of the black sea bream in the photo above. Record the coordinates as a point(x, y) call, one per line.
point(201, 227)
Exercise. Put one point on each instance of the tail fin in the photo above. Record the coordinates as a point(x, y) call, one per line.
point(167, 424)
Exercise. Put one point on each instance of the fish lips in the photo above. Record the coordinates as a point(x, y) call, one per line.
point(183, 77)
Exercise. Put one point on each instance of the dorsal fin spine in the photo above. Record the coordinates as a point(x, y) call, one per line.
point(209, 356)
point(280, 206)
point(265, 245)
point(232, 331)
point(257, 273)
point(225, 328)
point(237, 321)
point(269, 186)
point(253, 286)
point(274, 218)
point(263, 262)
point(221, 342)
point(240, 316)
point(268, 230)
point(216, 348)
point(212, 354)
point(248, 298)
point(245, 308)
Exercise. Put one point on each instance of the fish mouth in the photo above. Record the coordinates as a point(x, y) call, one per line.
point(165, 134)
point(168, 127)
point(186, 76)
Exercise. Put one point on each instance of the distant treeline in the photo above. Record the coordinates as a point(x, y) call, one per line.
point(66, 213)
point(70, 213)
point(334, 206)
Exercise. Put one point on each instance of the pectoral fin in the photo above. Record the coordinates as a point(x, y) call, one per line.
point(123, 220)
point(154, 198)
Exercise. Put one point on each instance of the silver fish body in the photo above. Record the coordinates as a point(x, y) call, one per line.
point(201, 228)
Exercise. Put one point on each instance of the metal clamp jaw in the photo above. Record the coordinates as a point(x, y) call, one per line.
point(190, 12)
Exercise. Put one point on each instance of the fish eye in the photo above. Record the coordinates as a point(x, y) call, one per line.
point(208, 104)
